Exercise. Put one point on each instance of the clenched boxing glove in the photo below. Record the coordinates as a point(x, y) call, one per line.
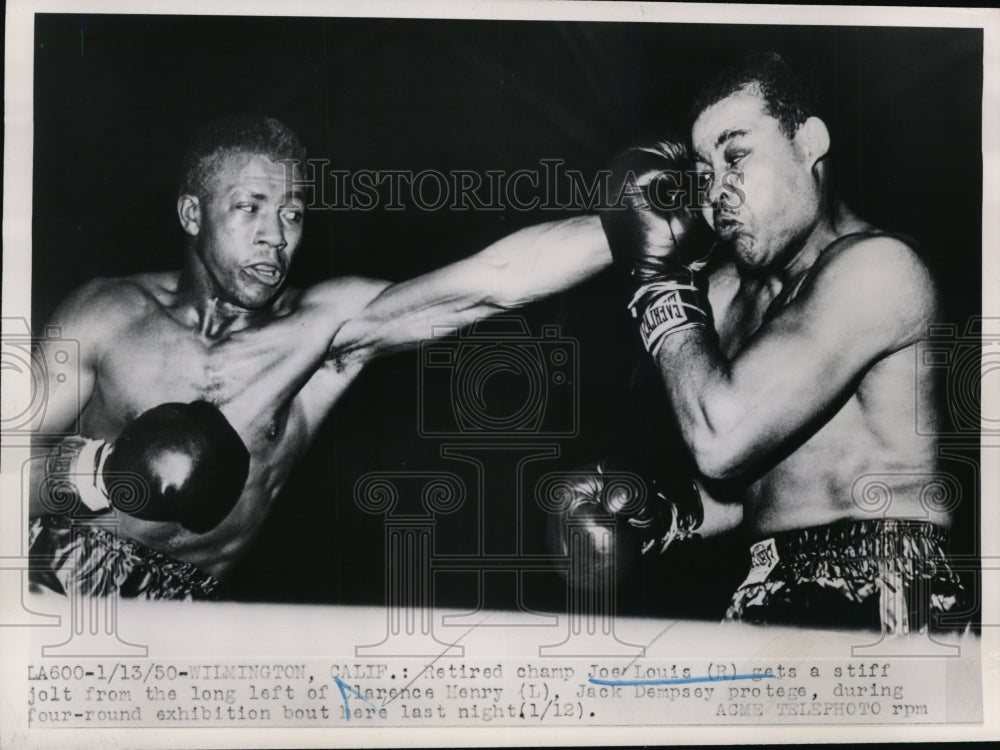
point(175, 462)
point(613, 517)
point(658, 238)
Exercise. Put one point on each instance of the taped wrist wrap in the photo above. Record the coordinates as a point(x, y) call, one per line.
point(666, 306)
point(77, 465)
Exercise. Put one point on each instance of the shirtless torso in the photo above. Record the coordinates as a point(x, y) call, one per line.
point(273, 359)
point(835, 467)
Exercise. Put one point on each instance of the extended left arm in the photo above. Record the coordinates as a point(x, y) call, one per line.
point(520, 268)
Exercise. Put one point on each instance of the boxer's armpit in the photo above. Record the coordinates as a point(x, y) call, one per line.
point(337, 306)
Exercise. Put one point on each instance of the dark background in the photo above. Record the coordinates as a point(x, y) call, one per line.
point(117, 96)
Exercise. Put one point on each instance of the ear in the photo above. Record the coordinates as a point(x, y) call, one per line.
point(813, 139)
point(189, 212)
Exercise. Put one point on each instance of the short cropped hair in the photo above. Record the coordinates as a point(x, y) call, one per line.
point(790, 95)
point(234, 134)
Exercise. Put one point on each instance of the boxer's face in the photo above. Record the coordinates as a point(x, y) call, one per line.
point(249, 227)
point(764, 197)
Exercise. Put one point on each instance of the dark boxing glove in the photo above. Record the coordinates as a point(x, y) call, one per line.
point(175, 462)
point(617, 517)
point(658, 238)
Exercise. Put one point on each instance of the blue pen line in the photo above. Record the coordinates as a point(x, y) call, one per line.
point(344, 690)
point(681, 680)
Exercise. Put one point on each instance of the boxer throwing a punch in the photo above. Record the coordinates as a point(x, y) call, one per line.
point(790, 367)
point(201, 387)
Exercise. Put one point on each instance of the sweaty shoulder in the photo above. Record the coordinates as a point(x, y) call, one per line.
point(876, 280)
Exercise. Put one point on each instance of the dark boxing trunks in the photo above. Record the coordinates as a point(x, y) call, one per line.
point(888, 574)
point(93, 560)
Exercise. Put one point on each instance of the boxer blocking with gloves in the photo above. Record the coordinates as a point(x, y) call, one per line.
point(660, 246)
point(791, 368)
point(657, 239)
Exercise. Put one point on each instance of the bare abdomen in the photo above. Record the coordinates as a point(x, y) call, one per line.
point(867, 462)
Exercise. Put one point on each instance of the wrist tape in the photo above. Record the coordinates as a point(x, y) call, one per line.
point(667, 306)
point(78, 464)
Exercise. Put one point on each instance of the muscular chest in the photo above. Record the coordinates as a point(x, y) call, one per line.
point(161, 361)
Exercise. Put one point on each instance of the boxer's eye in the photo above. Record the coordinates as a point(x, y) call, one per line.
point(246, 207)
point(734, 158)
point(292, 215)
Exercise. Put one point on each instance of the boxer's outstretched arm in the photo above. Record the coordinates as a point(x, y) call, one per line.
point(520, 268)
point(865, 301)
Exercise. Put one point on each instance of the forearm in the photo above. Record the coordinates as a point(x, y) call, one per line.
point(699, 385)
point(412, 311)
point(518, 269)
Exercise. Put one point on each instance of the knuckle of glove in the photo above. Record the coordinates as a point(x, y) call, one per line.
point(650, 217)
point(649, 175)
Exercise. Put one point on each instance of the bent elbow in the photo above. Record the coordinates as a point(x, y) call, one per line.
point(714, 464)
point(721, 438)
point(717, 456)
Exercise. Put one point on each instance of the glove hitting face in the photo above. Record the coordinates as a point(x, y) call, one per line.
point(658, 238)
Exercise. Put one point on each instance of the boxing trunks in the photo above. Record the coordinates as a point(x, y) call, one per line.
point(887, 574)
point(93, 560)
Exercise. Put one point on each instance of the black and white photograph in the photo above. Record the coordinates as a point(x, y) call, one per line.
point(566, 368)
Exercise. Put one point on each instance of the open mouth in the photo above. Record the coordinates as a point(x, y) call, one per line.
point(265, 273)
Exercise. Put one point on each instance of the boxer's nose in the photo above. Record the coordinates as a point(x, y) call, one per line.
point(270, 231)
